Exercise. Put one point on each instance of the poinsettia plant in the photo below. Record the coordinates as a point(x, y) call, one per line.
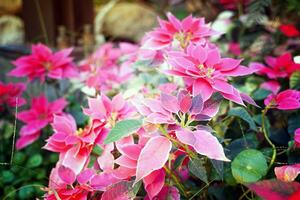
point(174, 117)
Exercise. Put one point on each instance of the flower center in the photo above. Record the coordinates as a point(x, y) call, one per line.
point(79, 132)
point(183, 38)
point(42, 116)
point(112, 119)
point(206, 71)
point(48, 65)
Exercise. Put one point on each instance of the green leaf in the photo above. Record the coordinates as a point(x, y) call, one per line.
point(249, 166)
point(260, 94)
point(26, 193)
point(35, 161)
point(295, 80)
point(7, 176)
point(97, 150)
point(93, 159)
point(218, 166)
point(122, 129)
point(243, 114)
point(19, 158)
point(196, 167)
point(249, 141)
point(178, 161)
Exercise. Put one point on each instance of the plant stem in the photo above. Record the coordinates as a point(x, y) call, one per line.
point(190, 153)
point(177, 182)
point(264, 112)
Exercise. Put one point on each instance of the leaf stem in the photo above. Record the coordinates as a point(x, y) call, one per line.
point(264, 112)
point(177, 144)
point(176, 180)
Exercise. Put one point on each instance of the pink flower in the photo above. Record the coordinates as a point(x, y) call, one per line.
point(272, 86)
point(289, 30)
point(297, 137)
point(103, 70)
point(169, 109)
point(233, 4)
point(206, 72)
point(278, 67)
point(107, 111)
point(286, 100)
point(78, 193)
point(43, 62)
point(287, 173)
point(73, 145)
point(145, 162)
point(234, 48)
point(9, 92)
point(173, 31)
point(38, 117)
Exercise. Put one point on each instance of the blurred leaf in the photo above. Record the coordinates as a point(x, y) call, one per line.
point(19, 158)
point(7, 176)
point(122, 129)
point(35, 161)
point(249, 166)
point(243, 114)
point(260, 94)
point(8, 130)
point(26, 192)
point(197, 168)
point(293, 123)
point(10, 193)
point(295, 80)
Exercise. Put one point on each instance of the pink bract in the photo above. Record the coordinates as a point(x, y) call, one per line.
point(164, 109)
point(297, 137)
point(43, 62)
point(206, 72)
point(278, 67)
point(178, 33)
point(287, 173)
point(10, 92)
point(37, 117)
point(103, 70)
point(203, 142)
point(285, 100)
point(108, 111)
point(73, 145)
point(234, 48)
point(289, 30)
point(272, 86)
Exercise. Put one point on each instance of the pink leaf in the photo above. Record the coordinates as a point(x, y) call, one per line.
point(197, 104)
point(287, 173)
point(169, 103)
point(274, 189)
point(153, 156)
point(201, 86)
point(203, 142)
point(185, 103)
point(119, 191)
point(66, 174)
point(154, 182)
